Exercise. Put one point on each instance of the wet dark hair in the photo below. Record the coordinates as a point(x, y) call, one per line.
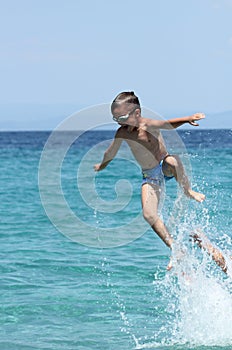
point(125, 97)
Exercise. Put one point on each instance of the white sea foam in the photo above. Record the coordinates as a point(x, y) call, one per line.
point(205, 309)
point(200, 297)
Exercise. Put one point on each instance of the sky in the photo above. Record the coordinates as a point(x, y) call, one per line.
point(58, 57)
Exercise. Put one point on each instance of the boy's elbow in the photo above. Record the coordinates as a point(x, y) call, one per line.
point(109, 155)
point(163, 125)
point(107, 158)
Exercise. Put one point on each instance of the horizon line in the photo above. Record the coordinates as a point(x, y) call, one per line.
point(99, 130)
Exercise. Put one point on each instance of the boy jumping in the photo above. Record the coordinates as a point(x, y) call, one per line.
point(147, 145)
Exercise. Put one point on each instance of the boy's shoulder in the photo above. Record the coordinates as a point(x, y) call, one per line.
point(122, 131)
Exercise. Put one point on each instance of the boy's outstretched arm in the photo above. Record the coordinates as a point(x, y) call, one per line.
point(109, 154)
point(173, 123)
point(192, 120)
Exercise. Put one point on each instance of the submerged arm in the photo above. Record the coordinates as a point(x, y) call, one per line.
point(203, 242)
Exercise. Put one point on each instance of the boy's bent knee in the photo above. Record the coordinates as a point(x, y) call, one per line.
point(172, 161)
point(150, 217)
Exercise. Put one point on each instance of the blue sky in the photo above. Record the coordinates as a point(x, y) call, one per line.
point(57, 57)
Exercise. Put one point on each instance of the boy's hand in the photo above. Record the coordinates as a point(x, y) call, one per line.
point(194, 117)
point(97, 167)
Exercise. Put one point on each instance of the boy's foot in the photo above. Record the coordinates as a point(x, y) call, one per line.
point(199, 197)
point(177, 258)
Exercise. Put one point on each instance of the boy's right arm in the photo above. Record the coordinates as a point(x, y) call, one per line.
point(109, 154)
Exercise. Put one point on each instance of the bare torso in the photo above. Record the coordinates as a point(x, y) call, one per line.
point(148, 149)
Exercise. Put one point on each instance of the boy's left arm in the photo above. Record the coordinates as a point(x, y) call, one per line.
point(192, 120)
point(152, 125)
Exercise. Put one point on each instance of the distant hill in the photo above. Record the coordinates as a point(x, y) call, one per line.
point(48, 116)
point(221, 120)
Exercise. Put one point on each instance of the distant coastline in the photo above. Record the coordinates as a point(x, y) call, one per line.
point(45, 117)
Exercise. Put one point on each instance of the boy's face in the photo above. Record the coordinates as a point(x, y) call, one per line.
point(124, 114)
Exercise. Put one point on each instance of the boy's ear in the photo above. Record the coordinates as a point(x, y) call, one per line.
point(138, 112)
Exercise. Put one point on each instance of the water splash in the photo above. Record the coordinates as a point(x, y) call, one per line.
point(204, 304)
point(192, 304)
point(198, 303)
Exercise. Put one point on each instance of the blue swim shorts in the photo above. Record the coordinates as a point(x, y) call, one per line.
point(155, 176)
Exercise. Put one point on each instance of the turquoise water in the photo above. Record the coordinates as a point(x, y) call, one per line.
point(60, 294)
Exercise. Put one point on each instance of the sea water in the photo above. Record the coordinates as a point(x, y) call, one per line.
point(98, 291)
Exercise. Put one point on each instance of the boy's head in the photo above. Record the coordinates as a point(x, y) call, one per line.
point(124, 105)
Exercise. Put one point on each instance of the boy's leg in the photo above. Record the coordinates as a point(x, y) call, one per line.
point(150, 200)
point(172, 166)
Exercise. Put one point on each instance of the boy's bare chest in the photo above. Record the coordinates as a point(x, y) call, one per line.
point(142, 137)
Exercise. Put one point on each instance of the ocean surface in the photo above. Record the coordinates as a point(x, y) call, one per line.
point(80, 269)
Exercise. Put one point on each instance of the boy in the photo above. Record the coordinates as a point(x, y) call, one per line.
point(147, 145)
